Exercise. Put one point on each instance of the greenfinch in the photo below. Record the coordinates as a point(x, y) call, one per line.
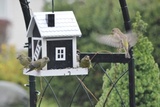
point(119, 40)
point(85, 62)
point(38, 64)
point(24, 60)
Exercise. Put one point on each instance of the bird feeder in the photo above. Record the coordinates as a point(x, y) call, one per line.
point(55, 35)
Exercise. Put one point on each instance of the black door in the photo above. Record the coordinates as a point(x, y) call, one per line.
point(60, 54)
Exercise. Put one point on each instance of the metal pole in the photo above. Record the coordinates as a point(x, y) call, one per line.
point(125, 13)
point(127, 24)
point(52, 5)
point(26, 12)
point(27, 17)
point(131, 81)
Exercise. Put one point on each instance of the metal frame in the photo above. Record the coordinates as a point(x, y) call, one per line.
point(27, 18)
point(114, 58)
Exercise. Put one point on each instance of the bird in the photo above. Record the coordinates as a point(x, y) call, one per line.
point(38, 64)
point(85, 62)
point(24, 60)
point(78, 55)
point(119, 40)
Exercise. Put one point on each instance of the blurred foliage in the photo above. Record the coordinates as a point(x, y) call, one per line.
point(146, 75)
point(152, 17)
point(48, 103)
point(10, 68)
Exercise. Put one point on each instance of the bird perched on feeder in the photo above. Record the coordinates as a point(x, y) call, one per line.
point(24, 60)
point(38, 64)
point(85, 62)
point(119, 40)
point(78, 55)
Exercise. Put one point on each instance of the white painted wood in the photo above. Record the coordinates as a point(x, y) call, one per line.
point(58, 72)
point(63, 38)
point(44, 49)
point(74, 47)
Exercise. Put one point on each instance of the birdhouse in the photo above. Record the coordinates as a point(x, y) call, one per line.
point(55, 35)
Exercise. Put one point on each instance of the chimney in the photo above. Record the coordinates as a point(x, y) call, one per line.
point(50, 20)
point(51, 17)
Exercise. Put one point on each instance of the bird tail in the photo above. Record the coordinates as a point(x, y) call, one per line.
point(31, 68)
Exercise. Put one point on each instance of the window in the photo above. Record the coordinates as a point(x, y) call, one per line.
point(60, 53)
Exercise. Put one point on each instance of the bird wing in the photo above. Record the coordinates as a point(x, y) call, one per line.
point(110, 40)
point(43, 63)
point(29, 59)
point(36, 64)
point(132, 38)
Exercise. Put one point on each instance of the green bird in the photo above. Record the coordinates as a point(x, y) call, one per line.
point(85, 62)
point(119, 40)
point(24, 60)
point(38, 64)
